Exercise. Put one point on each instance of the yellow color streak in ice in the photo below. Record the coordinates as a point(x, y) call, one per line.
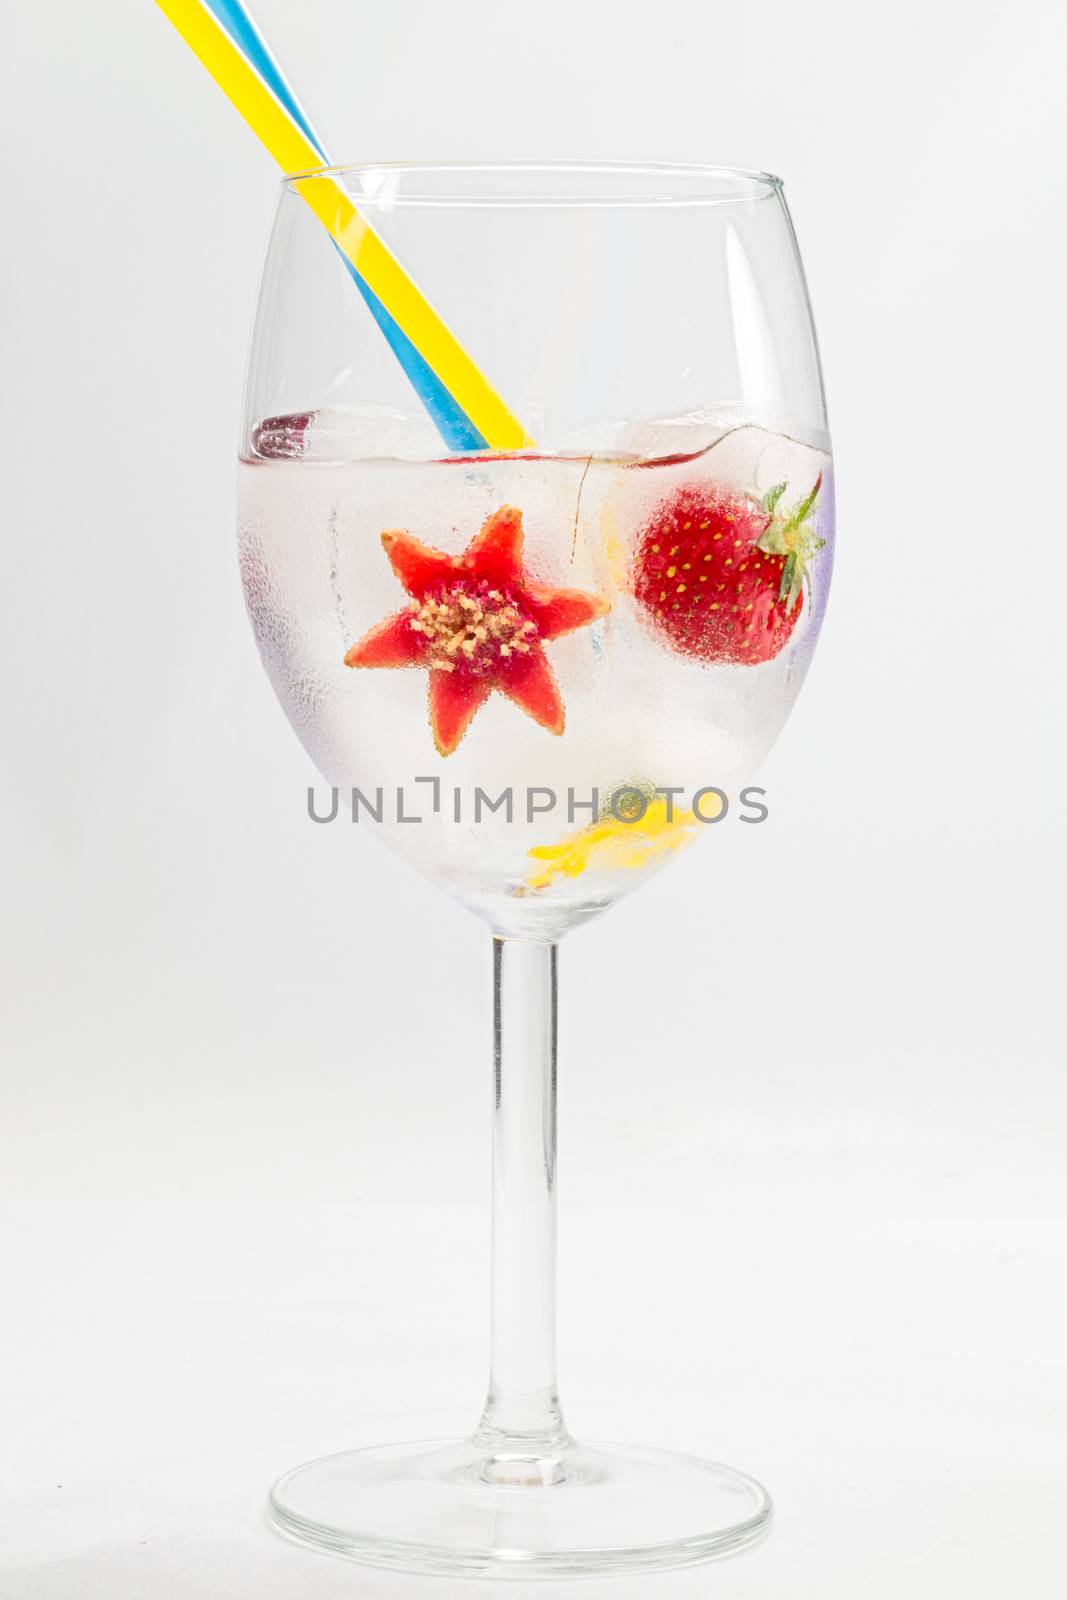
point(612, 846)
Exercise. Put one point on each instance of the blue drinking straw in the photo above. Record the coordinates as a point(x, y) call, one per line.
point(455, 427)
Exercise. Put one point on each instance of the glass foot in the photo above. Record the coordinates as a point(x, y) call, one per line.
point(440, 1506)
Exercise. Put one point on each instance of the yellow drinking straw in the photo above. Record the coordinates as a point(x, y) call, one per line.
point(359, 243)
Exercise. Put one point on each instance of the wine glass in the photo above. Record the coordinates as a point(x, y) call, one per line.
point(539, 675)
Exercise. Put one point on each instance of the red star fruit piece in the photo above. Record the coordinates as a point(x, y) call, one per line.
point(477, 622)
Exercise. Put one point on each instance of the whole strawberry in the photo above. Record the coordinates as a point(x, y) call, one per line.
point(722, 575)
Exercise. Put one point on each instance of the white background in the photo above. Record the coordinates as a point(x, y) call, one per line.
point(812, 1138)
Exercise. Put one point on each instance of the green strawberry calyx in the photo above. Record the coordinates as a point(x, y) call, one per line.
point(790, 534)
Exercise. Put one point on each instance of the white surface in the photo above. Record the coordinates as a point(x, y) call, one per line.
point(812, 1137)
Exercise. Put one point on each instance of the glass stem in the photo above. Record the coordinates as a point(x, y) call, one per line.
point(522, 1425)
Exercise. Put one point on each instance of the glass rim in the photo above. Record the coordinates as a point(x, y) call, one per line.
point(612, 183)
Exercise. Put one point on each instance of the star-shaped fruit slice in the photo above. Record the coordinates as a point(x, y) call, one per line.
point(478, 622)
